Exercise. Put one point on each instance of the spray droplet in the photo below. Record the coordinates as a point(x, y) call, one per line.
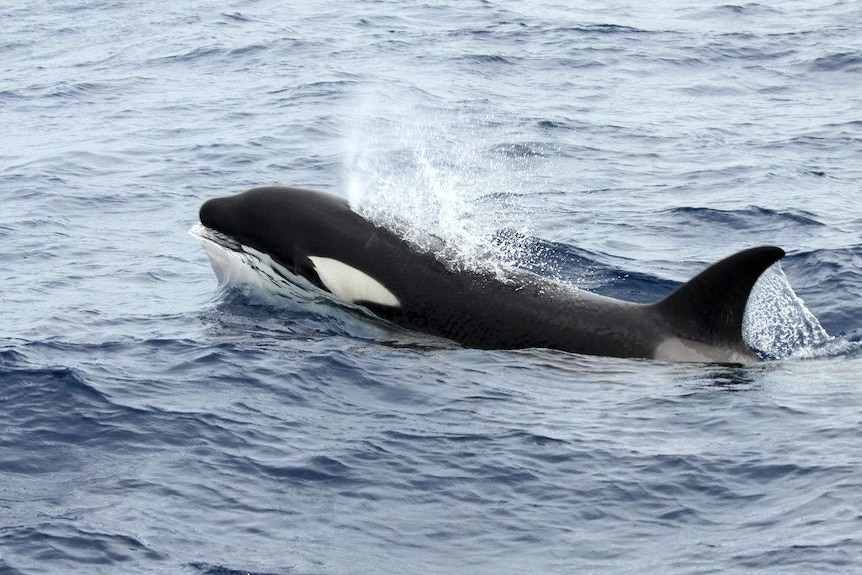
point(777, 324)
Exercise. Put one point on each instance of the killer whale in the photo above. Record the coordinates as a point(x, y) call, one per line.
point(317, 237)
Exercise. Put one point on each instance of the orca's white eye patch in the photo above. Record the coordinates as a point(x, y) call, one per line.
point(350, 284)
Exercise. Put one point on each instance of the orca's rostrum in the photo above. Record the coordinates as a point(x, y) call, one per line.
point(316, 236)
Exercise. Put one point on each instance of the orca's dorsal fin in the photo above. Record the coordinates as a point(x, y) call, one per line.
point(710, 307)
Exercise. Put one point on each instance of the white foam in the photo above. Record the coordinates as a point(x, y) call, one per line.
point(238, 266)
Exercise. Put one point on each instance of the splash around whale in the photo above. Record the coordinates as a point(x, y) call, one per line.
point(315, 237)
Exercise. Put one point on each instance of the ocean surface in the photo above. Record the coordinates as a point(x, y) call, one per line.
point(152, 421)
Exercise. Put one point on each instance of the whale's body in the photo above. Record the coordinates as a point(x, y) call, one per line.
point(316, 236)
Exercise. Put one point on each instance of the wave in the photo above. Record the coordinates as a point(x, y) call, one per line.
point(746, 218)
point(208, 569)
point(62, 545)
point(748, 9)
point(850, 62)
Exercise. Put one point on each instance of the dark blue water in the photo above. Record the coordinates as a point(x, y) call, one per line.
point(151, 422)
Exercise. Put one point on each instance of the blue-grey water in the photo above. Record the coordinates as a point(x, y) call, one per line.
point(154, 422)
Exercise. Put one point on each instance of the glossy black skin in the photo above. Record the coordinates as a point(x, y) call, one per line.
point(477, 309)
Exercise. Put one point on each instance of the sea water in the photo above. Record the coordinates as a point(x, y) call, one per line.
point(155, 422)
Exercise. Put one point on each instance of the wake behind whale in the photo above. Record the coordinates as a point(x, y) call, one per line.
point(316, 238)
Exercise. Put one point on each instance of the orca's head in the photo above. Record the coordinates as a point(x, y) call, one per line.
point(244, 217)
point(296, 232)
point(275, 220)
